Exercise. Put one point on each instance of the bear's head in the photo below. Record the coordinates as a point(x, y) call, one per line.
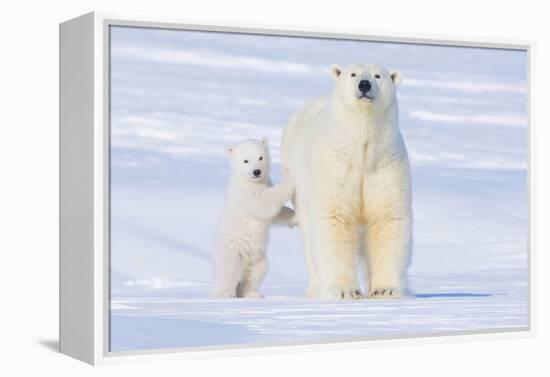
point(369, 87)
point(250, 160)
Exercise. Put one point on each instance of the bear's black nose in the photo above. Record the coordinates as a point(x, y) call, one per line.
point(364, 86)
point(257, 172)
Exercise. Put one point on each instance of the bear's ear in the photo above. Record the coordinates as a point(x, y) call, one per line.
point(265, 141)
point(336, 71)
point(229, 150)
point(395, 77)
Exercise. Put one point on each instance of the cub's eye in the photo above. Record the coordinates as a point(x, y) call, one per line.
point(353, 75)
point(377, 76)
point(245, 161)
point(261, 158)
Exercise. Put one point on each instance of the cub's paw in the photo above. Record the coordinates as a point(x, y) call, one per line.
point(253, 294)
point(385, 293)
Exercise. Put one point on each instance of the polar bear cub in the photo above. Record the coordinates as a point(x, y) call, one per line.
point(252, 205)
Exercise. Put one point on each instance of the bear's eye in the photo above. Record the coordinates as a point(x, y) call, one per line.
point(245, 161)
point(261, 158)
point(377, 76)
point(353, 74)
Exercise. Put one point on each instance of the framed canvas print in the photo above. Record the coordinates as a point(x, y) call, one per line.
point(227, 188)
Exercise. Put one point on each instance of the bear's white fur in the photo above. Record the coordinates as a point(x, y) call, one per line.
point(353, 191)
point(251, 206)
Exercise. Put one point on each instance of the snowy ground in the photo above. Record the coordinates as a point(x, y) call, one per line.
point(179, 97)
point(446, 305)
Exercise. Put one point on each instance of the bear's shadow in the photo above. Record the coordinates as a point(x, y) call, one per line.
point(454, 294)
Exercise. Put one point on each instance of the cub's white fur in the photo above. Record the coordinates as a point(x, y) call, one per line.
point(353, 191)
point(252, 205)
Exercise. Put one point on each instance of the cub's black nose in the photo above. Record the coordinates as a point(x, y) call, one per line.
point(257, 172)
point(364, 86)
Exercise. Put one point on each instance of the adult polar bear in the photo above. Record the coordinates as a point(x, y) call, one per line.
point(353, 191)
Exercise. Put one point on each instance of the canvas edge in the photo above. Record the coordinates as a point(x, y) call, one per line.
point(76, 178)
point(314, 31)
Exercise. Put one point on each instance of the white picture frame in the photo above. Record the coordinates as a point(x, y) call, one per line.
point(84, 183)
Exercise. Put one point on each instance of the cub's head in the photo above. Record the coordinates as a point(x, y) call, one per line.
point(370, 87)
point(250, 160)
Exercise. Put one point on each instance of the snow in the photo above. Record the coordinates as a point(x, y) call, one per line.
point(174, 320)
point(178, 98)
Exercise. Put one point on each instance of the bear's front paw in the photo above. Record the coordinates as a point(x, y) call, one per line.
point(353, 294)
point(342, 294)
point(385, 293)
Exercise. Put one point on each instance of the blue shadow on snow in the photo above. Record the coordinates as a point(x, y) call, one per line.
point(457, 294)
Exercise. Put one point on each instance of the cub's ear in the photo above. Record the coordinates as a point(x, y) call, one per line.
point(265, 141)
point(395, 77)
point(336, 71)
point(229, 150)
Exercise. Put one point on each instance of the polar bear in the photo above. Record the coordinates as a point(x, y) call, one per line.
point(353, 185)
point(251, 206)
